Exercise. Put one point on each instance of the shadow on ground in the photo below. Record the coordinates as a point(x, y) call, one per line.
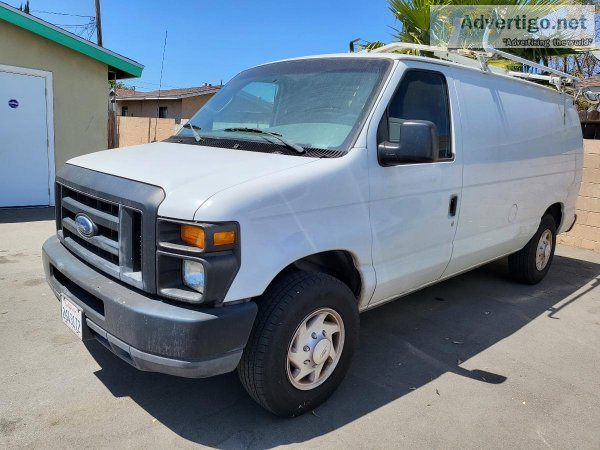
point(403, 346)
point(33, 214)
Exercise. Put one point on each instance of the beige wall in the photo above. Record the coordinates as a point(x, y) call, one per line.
point(149, 108)
point(192, 104)
point(79, 84)
point(141, 130)
point(586, 232)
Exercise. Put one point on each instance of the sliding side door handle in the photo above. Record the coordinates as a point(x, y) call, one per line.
point(453, 204)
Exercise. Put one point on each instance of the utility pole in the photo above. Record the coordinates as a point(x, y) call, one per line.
point(98, 24)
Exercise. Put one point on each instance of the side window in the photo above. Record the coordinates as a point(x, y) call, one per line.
point(422, 95)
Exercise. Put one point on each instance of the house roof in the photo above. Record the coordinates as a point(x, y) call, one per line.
point(122, 66)
point(589, 82)
point(167, 94)
point(124, 92)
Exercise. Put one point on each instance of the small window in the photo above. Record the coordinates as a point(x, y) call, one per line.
point(422, 95)
point(124, 110)
point(162, 112)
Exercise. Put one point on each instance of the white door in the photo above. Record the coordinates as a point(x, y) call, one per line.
point(24, 151)
point(414, 207)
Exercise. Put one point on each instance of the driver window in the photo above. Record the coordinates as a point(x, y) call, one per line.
point(422, 95)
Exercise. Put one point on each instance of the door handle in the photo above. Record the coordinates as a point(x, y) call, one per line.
point(453, 204)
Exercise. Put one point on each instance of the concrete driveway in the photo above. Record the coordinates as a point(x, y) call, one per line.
point(477, 361)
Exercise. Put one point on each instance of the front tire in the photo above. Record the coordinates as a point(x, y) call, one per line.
point(531, 264)
point(301, 344)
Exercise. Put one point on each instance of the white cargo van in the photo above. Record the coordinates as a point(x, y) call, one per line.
point(305, 192)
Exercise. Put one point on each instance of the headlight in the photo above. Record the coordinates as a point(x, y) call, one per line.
point(196, 262)
point(193, 275)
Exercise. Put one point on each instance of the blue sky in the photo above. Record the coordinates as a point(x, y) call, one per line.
point(210, 41)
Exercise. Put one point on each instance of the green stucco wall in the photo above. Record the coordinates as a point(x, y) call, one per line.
point(79, 84)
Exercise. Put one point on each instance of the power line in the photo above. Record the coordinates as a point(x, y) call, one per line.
point(60, 13)
point(73, 24)
point(85, 30)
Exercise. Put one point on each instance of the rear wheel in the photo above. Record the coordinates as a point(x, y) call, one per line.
point(301, 344)
point(531, 264)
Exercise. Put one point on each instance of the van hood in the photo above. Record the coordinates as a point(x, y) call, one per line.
point(189, 174)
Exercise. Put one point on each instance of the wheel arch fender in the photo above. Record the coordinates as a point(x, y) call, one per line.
point(556, 211)
point(337, 263)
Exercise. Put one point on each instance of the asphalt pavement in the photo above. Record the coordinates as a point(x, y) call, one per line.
point(474, 362)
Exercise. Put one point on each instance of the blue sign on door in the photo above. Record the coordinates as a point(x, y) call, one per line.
point(13, 103)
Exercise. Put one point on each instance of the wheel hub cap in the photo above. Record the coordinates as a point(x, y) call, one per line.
point(315, 349)
point(321, 351)
point(544, 250)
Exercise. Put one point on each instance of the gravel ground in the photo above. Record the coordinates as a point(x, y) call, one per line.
point(476, 361)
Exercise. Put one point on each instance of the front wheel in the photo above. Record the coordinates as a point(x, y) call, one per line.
point(531, 264)
point(301, 344)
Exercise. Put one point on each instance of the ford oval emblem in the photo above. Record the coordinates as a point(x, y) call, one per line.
point(85, 226)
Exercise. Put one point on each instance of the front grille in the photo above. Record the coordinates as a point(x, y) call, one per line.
point(116, 248)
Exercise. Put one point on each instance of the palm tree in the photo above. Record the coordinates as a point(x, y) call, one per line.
point(414, 18)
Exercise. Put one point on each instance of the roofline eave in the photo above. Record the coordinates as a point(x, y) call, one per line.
point(118, 63)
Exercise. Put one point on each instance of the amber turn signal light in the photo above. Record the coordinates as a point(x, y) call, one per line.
point(224, 238)
point(192, 235)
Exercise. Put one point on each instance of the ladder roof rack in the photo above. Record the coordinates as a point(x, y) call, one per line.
point(480, 60)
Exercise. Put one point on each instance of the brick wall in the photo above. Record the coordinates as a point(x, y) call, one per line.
point(140, 130)
point(586, 232)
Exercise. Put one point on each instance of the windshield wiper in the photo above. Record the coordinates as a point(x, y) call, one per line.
point(193, 127)
point(297, 148)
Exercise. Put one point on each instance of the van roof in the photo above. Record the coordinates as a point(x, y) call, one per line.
point(437, 61)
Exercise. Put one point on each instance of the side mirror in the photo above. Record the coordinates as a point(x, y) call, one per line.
point(418, 143)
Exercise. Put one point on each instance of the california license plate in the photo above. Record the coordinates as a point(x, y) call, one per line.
point(72, 315)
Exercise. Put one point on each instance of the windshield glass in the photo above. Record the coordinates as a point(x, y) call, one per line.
point(313, 103)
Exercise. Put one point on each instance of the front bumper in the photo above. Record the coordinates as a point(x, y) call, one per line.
point(148, 332)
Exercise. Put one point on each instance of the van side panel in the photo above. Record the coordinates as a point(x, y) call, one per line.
point(519, 153)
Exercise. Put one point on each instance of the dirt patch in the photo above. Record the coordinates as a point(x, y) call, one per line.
point(7, 426)
point(62, 339)
point(34, 282)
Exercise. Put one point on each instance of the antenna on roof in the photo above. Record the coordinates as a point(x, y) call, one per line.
point(160, 86)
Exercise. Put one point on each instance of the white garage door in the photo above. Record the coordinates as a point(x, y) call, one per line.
point(25, 171)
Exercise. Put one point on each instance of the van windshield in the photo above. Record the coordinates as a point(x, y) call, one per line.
point(317, 104)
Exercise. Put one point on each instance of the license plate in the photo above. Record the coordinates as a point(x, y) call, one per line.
point(72, 315)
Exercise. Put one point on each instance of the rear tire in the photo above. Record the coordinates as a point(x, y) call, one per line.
point(307, 322)
point(531, 264)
